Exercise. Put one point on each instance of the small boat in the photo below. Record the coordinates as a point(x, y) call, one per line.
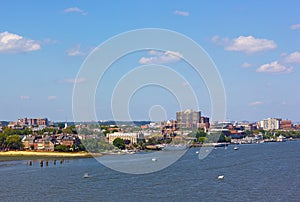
point(235, 148)
point(220, 177)
point(197, 152)
point(154, 159)
point(86, 175)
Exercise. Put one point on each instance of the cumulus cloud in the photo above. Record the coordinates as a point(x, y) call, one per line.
point(295, 27)
point(75, 10)
point(182, 13)
point(247, 44)
point(256, 103)
point(24, 97)
point(246, 65)
point(13, 43)
point(76, 51)
point(274, 67)
point(161, 57)
point(72, 80)
point(52, 97)
point(293, 58)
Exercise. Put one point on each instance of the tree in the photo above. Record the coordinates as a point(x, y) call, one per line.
point(200, 133)
point(14, 142)
point(70, 130)
point(118, 142)
point(222, 138)
point(2, 140)
point(61, 148)
point(202, 139)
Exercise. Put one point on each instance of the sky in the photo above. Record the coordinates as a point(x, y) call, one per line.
point(255, 45)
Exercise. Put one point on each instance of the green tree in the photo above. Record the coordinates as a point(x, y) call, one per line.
point(118, 142)
point(200, 133)
point(2, 140)
point(248, 133)
point(91, 145)
point(61, 148)
point(202, 139)
point(222, 138)
point(14, 142)
point(70, 130)
point(8, 131)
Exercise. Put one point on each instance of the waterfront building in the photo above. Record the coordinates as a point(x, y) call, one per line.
point(270, 124)
point(286, 125)
point(188, 119)
point(132, 137)
point(169, 127)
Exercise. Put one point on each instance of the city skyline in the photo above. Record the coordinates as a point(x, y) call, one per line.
point(254, 47)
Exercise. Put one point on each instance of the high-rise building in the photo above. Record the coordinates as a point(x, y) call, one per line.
point(286, 125)
point(188, 119)
point(32, 121)
point(270, 124)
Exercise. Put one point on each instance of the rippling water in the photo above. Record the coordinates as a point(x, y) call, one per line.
point(257, 172)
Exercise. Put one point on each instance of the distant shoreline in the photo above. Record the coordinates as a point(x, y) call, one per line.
point(43, 154)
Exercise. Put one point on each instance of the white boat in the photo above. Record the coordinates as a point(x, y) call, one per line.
point(86, 175)
point(235, 148)
point(154, 159)
point(221, 177)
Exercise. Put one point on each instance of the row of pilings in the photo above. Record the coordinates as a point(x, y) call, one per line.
point(46, 162)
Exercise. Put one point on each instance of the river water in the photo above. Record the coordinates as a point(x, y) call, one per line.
point(256, 172)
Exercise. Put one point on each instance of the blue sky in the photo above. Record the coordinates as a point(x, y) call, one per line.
point(254, 44)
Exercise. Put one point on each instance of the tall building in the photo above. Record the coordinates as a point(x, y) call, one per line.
point(188, 119)
point(270, 124)
point(286, 125)
point(204, 122)
point(32, 121)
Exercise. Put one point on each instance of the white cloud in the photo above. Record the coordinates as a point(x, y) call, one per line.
point(13, 43)
point(52, 97)
point(246, 65)
point(247, 44)
point(295, 27)
point(182, 13)
point(274, 67)
point(293, 58)
point(24, 97)
point(75, 10)
point(76, 51)
point(215, 39)
point(256, 103)
point(71, 80)
point(161, 57)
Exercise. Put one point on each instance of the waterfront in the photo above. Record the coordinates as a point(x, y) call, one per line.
point(255, 172)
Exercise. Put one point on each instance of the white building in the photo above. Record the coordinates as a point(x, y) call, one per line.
point(270, 124)
point(132, 137)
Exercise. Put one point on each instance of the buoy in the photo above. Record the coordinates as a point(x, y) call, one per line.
point(197, 152)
